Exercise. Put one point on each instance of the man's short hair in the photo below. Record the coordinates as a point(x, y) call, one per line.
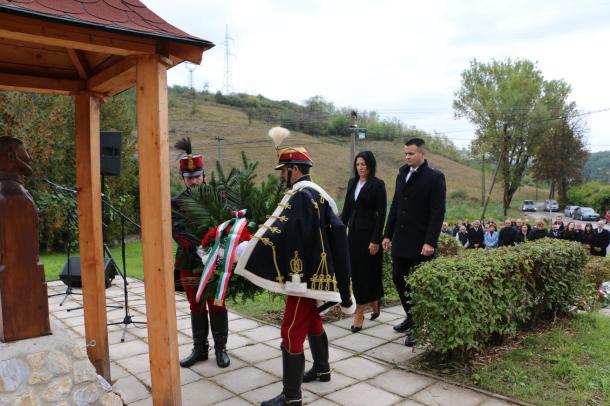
point(418, 142)
point(303, 168)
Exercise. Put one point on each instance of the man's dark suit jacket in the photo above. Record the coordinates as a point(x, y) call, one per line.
point(475, 237)
point(600, 240)
point(368, 212)
point(417, 211)
point(507, 236)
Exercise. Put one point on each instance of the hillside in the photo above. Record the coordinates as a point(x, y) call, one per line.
point(204, 120)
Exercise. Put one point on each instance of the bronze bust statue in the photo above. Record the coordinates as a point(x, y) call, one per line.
point(24, 311)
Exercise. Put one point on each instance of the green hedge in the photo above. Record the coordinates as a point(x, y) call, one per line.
point(462, 303)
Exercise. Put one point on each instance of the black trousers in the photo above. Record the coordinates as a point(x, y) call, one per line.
point(401, 268)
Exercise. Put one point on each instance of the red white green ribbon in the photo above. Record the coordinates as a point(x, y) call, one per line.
point(230, 247)
point(238, 224)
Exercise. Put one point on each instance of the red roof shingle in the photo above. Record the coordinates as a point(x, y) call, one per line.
point(129, 16)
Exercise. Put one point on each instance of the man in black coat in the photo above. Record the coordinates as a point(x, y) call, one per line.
point(476, 235)
point(600, 241)
point(508, 234)
point(414, 223)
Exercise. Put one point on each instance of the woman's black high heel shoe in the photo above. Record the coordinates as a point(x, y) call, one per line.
point(355, 329)
point(375, 315)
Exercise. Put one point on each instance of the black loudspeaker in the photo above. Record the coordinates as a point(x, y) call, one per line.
point(110, 153)
point(72, 278)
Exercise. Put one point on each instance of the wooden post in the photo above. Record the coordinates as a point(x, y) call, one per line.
point(155, 212)
point(90, 231)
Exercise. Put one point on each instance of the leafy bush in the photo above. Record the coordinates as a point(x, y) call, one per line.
point(462, 303)
point(448, 245)
point(597, 271)
point(591, 194)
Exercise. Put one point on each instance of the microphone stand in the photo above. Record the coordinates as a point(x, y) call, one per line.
point(127, 319)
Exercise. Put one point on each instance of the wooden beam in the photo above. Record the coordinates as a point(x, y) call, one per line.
point(79, 62)
point(155, 212)
point(44, 32)
point(186, 52)
point(115, 78)
point(24, 83)
point(88, 183)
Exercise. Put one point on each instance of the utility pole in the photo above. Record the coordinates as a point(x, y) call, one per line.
point(352, 144)
point(483, 179)
point(227, 73)
point(218, 156)
point(191, 68)
point(493, 182)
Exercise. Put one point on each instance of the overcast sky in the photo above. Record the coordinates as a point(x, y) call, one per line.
point(400, 58)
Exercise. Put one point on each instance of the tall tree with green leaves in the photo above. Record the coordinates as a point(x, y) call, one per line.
point(502, 99)
point(561, 157)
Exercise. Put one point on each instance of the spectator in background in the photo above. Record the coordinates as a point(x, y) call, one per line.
point(513, 221)
point(523, 234)
point(570, 232)
point(456, 229)
point(445, 229)
point(467, 224)
point(555, 233)
point(462, 236)
point(475, 235)
point(539, 231)
point(601, 239)
point(527, 223)
point(491, 221)
point(507, 235)
point(490, 240)
point(587, 236)
point(518, 225)
point(559, 222)
point(578, 233)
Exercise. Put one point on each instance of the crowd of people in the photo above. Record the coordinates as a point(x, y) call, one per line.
point(514, 231)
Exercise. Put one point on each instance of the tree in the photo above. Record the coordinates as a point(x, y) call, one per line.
point(501, 98)
point(561, 157)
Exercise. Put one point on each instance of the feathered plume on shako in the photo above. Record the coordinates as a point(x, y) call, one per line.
point(288, 155)
point(191, 165)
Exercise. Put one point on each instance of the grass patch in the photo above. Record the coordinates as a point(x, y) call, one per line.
point(54, 262)
point(568, 365)
point(472, 211)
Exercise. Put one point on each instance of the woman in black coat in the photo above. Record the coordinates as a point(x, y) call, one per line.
point(364, 215)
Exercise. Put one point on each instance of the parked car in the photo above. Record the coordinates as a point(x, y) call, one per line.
point(585, 213)
point(528, 205)
point(569, 211)
point(551, 205)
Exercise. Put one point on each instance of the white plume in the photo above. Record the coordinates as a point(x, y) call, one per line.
point(278, 135)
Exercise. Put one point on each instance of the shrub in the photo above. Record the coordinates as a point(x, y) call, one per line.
point(448, 245)
point(597, 271)
point(461, 303)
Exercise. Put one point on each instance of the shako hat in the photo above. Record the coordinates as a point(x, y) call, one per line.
point(288, 155)
point(191, 165)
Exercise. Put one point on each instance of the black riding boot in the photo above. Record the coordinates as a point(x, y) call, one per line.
point(199, 325)
point(319, 351)
point(220, 331)
point(294, 366)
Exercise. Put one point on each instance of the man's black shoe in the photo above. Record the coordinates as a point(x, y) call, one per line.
point(410, 340)
point(404, 326)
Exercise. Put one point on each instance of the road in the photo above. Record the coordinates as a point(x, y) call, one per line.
point(566, 220)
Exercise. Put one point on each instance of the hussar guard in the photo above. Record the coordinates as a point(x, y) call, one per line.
point(189, 265)
point(300, 251)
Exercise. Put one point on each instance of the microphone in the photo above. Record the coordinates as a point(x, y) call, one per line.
point(59, 187)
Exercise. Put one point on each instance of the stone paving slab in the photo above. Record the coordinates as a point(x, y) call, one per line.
point(365, 366)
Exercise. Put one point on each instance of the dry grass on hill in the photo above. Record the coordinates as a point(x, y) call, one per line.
point(331, 155)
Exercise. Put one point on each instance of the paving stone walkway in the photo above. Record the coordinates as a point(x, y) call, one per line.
point(365, 365)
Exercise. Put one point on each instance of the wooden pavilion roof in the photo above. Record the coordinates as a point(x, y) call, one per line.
point(74, 46)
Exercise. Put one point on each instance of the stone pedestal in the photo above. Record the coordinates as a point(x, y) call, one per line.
point(51, 370)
